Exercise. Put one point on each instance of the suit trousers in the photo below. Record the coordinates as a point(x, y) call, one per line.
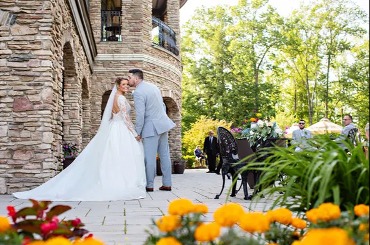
point(152, 146)
point(211, 161)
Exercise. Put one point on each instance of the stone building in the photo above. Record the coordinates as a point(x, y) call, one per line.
point(58, 62)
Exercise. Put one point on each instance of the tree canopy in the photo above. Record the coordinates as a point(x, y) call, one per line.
point(247, 58)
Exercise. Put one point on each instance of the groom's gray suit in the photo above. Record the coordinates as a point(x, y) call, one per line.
point(153, 124)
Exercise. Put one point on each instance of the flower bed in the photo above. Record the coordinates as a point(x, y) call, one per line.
point(324, 225)
point(185, 224)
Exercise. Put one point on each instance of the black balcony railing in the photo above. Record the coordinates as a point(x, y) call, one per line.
point(111, 25)
point(164, 36)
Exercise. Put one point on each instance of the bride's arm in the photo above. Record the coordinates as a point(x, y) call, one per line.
point(125, 115)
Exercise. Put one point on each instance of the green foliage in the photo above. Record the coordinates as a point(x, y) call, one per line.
point(220, 81)
point(10, 237)
point(308, 179)
point(311, 64)
point(197, 133)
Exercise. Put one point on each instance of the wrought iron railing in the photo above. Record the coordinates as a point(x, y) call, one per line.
point(164, 36)
point(111, 25)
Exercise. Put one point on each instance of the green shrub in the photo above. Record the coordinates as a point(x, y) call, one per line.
point(197, 133)
point(308, 179)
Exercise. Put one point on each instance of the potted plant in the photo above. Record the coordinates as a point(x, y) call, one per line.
point(158, 166)
point(178, 166)
point(70, 152)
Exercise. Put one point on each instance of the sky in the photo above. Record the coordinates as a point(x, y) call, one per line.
point(283, 6)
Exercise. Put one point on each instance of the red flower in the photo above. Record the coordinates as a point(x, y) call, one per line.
point(48, 227)
point(12, 213)
point(76, 222)
point(55, 219)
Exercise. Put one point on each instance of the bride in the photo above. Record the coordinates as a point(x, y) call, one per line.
point(111, 167)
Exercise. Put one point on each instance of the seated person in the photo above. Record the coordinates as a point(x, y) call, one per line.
point(348, 126)
point(199, 155)
point(300, 136)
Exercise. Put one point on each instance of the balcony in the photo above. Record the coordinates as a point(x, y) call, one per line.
point(164, 36)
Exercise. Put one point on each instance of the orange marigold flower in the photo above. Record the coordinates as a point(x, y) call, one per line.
point(313, 215)
point(298, 223)
point(253, 119)
point(168, 241)
point(281, 215)
point(363, 227)
point(180, 206)
point(228, 214)
point(207, 232)
point(328, 211)
point(37, 243)
point(200, 208)
point(297, 243)
point(361, 210)
point(4, 224)
point(88, 241)
point(326, 236)
point(58, 241)
point(254, 222)
point(168, 223)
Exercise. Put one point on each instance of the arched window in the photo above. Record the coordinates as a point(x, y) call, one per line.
point(111, 20)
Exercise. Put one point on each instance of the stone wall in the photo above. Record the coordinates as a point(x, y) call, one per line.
point(50, 95)
point(31, 72)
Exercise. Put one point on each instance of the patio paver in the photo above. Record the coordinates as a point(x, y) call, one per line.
point(126, 222)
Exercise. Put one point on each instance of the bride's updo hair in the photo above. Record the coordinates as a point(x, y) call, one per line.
point(119, 79)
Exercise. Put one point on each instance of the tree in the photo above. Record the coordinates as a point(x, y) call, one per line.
point(198, 132)
point(317, 37)
point(223, 63)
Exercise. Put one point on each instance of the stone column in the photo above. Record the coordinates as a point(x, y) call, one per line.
point(173, 18)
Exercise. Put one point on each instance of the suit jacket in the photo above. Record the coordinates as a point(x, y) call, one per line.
point(151, 117)
point(211, 148)
point(299, 138)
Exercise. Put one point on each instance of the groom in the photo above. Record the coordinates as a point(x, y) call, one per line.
point(152, 126)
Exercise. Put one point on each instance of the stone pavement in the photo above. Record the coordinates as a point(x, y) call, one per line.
point(126, 222)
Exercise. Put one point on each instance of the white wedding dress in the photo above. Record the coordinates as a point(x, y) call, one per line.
point(111, 167)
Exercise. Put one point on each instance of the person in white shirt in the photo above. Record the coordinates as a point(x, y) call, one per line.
point(300, 136)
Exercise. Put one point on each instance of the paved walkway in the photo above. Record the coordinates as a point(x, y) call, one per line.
point(126, 222)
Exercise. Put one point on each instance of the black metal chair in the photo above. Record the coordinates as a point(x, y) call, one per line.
point(354, 136)
point(229, 154)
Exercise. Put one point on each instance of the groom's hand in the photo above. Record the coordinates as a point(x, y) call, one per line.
point(138, 138)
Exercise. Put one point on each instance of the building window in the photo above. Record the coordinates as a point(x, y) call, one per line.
point(111, 20)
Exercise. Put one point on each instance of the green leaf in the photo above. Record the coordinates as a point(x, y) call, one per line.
point(57, 210)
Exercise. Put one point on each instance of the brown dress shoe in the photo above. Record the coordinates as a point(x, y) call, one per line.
point(165, 188)
point(148, 189)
